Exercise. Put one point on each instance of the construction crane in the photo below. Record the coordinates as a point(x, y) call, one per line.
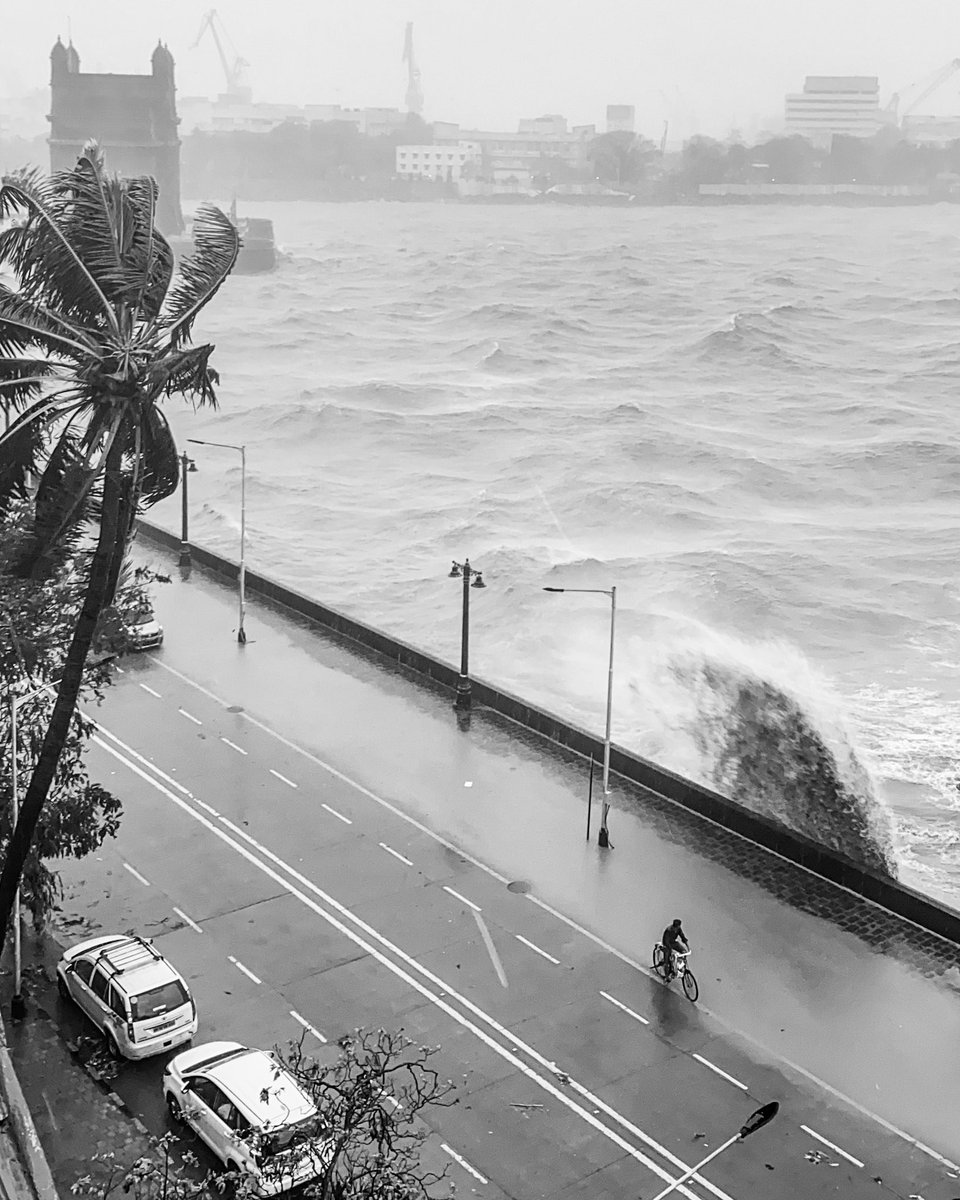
point(927, 85)
point(235, 72)
point(414, 90)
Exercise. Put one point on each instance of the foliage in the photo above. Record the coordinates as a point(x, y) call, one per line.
point(621, 158)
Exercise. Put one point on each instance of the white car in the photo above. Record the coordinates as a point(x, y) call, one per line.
point(251, 1112)
point(146, 633)
point(140, 1003)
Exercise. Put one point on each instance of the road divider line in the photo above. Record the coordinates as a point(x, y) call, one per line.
point(333, 812)
point(468, 903)
point(836, 1149)
point(537, 950)
point(642, 968)
point(151, 691)
point(439, 1001)
point(190, 717)
point(491, 948)
point(629, 1011)
point(730, 1079)
point(395, 853)
point(246, 970)
point(463, 1162)
point(140, 759)
point(183, 916)
point(283, 778)
point(137, 875)
point(233, 745)
point(306, 1024)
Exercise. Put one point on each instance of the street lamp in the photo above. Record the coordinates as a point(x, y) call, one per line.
point(603, 837)
point(241, 635)
point(186, 465)
point(755, 1121)
point(464, 698)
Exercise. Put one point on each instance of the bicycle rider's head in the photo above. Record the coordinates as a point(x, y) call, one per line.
point(677, 923)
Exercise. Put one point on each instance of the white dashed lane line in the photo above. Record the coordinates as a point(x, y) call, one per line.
point(395, 853)
point(333, 812)
point(183, 917)
point(463, 1162)
point(137, 875)
point(463, 899)
point(306, 1024)
point(246, 970)
point(836, 1149)
point(629, 1011)
point(537, 950)
point(183, 713)
point(151, 691)
point(233, 745)
point(713, 1067)
point(283, 778)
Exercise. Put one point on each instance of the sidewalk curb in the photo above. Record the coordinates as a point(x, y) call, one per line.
point(24, 1131)
point(104, 1085)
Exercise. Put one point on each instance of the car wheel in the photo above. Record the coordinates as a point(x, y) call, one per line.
point(62, 987)
point(113, 1047)
point(174, 1109)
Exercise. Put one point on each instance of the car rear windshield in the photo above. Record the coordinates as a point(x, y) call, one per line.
point(280, 1140)
point(159, 1001)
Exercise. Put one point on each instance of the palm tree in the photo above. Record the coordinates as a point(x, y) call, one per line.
point(92, 340)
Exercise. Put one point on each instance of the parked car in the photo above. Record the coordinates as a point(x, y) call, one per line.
point(251, 1112)
point(133, 995)
point(144, 633)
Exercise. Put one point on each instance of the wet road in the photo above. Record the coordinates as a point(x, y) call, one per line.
point(335, 852)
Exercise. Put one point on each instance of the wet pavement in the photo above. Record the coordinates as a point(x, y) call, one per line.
point(318, 843)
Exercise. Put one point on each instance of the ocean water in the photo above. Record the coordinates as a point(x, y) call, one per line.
point(746, 419)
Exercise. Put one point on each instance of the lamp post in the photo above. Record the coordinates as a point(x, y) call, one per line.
point(464, 698)
point(755, 1121)
point(186, 466)
point(603, 837)
point(241, 634)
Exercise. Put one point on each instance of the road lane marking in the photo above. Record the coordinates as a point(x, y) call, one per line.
point(463, 1162)
point(438, 1001)
point(246, 970)
point(629, 1011)
point(151, 691)
point(491, 948)
point(306, 1024)
point(137, 875)
point(283, 778)
point(183, 713)
point(233, 745)
point(542, 953)
point(333, 812)
point(469, 903)
point(395, 853)
point(183, 916)
point(713, 1067)
point(836, 1149)
point(120, 669)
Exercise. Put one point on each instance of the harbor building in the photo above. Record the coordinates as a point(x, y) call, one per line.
point(440, 162)
point(621, 118)
point(834, 104)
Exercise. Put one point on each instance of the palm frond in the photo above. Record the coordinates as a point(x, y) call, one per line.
point(22, 379)
point(152, 247)
point(188, 373)
point(62, 504)
point(21, 452)
point(25, 323)
point(158, 453)
point(216, 246)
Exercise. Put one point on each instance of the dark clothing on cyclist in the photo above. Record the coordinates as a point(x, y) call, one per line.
point(673, 936)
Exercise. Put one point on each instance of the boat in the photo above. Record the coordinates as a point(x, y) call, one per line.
point(258, 246)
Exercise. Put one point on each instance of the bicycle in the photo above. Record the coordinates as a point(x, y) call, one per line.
point(682, 972)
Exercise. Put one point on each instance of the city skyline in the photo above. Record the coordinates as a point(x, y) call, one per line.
point(702, 69)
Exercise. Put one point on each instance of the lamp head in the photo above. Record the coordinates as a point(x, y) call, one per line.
point(478, 580)
point(191, 465)
point(454, 571)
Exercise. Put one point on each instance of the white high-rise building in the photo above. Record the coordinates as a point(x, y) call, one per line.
point(834, 104)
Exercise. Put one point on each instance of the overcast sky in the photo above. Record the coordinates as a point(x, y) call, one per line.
point(486, 63)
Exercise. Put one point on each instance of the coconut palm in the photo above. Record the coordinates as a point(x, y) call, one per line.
point(96, 334)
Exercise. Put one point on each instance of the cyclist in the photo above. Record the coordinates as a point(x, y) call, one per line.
point(674, 939)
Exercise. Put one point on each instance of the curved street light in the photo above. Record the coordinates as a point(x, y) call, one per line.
point(756, 1120)
point(241, 634)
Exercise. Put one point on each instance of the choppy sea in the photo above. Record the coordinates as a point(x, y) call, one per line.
point(746, 419)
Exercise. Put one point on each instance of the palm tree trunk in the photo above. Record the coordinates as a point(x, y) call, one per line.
point(95, 599)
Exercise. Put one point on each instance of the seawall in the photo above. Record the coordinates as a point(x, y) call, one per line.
point(828, 864)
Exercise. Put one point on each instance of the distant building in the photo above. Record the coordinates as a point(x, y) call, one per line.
point(228, 115)
point(931, 131)
point(443, 163)
point(834, 104)
point(133, 117)
point(621, 118)
point(539, 141)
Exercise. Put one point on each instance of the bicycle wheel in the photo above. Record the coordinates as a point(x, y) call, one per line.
point(660, 960)
point(690, 986)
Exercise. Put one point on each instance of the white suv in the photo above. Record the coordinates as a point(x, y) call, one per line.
point(251, 1112)
point(130, 992)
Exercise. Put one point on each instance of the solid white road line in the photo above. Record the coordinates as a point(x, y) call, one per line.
point(306, 1024)
point(796, 1068)
point(183, 916)
point(119, 670)
point(491, 948)
point(629, 1011)
point(137, 875)
point(713, 1067)
point(836, 1149)
point(333, 812)
point(395, 853)
point(283, 778)
point(233, 745)
point(463, 1162)
point(151, 691)
point(438, 1001)
point(246, 970)
point(469, 903)
point(183, 713)
point(537, 950)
